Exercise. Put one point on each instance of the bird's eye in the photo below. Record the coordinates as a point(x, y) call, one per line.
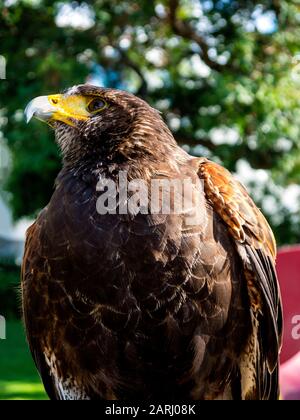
point(96, 105)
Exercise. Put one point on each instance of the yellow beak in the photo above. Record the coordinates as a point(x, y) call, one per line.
point(62, 108)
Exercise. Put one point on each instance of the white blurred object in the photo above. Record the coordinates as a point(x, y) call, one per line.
point(5, 219)
point(12, 235)
point(8, 229)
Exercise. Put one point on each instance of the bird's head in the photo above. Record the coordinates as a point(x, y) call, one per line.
point(92, 121)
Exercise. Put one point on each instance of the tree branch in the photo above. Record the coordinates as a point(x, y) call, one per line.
point(143, 90)
point(277, 7)
point(184, 30)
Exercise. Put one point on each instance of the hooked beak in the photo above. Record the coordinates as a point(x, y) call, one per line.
point(68, 109)
point(40, 108)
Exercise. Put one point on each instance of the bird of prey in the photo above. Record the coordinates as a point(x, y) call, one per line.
point(146, 305)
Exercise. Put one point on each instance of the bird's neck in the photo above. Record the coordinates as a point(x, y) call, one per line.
point(138, 164)
point(148, 145)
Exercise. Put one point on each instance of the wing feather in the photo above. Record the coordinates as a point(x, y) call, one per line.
point(256, 246)
point(28, 268)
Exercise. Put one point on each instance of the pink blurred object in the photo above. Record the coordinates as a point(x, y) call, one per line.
point(290, 378)
point(288, 269)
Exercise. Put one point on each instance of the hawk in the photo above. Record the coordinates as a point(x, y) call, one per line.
point(140, 304)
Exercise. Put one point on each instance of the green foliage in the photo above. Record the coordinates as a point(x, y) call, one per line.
point(203, 63)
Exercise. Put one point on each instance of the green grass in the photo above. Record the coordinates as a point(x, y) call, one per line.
point(19, 379)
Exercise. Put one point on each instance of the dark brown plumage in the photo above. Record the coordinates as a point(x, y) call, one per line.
point(147, 306)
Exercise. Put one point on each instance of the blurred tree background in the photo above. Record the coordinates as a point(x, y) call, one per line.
point(224, 73)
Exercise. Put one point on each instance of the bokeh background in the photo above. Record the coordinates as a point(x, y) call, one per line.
point(224, 73)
